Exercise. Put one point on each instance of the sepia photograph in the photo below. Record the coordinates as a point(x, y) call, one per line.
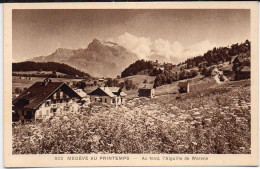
point(131, 81)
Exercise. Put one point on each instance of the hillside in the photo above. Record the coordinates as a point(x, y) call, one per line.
point(137, 67)
point(230, 60)
point(101, 59)
point(138, 80)
point(210, 120)
point(212, 57)
point(219, 55)
point(60, 69)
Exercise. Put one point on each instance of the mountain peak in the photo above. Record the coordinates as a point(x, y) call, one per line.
point(105, 43)
point(96, 59)
point(111, 44)
point(95, 40)
point(62, 50)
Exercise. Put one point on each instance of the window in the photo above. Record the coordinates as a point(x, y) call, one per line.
point(54, 95)
point(105, 100)
point(61, 94)
point(40, 113)
point(114, 101)
point(47, 104)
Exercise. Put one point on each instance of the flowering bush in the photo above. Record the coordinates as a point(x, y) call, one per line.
point(215, 120)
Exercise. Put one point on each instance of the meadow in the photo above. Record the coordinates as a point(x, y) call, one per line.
point(212, 119)
point(25, 83)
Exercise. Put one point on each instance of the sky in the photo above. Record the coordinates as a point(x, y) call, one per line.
point(176, 34)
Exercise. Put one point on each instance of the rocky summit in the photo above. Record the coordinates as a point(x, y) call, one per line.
point(101, 59)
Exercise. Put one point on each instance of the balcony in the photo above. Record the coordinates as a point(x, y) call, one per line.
point(55, 105)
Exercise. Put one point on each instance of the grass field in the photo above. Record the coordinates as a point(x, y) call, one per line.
point(169, 88)
point(34, 72)
point(22, 83)
point(212, 119)
point(139, 79)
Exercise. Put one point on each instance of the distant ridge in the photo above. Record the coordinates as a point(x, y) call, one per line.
point(101, 59)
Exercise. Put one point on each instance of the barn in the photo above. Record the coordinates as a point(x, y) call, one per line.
point(184, 87)
point(146, 91)
point(244, 73)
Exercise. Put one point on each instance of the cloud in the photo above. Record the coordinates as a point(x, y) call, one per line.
point(198, 48)
point(141, 46)
point(167, 51)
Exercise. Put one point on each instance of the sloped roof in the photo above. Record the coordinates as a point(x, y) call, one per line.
point(108, 91)
point(122, 94)
point(245, 69)
point(113, 89)
point(146, 86)
point(80, 92)
point(183, 84)
point(226, 68)
point(36, 94)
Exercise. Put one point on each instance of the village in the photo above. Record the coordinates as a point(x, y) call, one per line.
point(152, 107)
point(47, 99)
point(54, 115)
point(109, 120)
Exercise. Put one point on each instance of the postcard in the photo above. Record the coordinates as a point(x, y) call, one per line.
point(131, 84)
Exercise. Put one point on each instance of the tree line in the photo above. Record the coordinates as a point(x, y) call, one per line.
point(126, 84)
point(169, 77)
point(48, 66)
point(137, 67)
point(218, 55)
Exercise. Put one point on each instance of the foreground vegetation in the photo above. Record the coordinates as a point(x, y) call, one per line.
point(213, 120)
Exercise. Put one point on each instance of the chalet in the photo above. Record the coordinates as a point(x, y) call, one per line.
point(45, 99)
point(80, 92)
point(184, 87)
point(101, 80)
point(168, 66)
point(22, 77)
point(244, 73)
point(108, 95)
point(146, 91)
point(227, 70)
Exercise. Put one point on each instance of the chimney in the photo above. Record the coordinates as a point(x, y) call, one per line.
point(46, 81)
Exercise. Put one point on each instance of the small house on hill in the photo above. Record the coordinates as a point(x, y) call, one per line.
point(227, 70)
point(43, 100)
point(184, 87)
point(108, 95)
point(146, 91)
point(244, 73)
